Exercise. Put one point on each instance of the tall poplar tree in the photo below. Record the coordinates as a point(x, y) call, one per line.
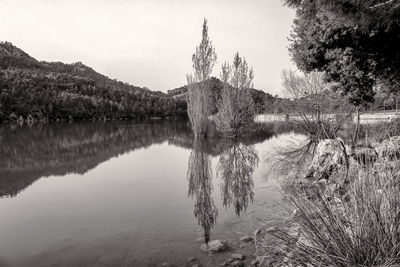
point(199, 87)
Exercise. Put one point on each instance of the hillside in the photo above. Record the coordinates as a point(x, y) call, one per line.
point(51, 91)
point(47, 91)
point(261, 98)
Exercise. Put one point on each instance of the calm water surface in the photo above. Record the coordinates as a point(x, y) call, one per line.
point(124, 194)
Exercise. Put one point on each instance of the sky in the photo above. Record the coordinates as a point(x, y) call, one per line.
point(150, 42)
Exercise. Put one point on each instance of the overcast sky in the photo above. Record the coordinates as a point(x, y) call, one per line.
point(150, 42)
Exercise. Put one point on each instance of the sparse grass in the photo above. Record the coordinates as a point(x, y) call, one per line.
point(356, 225)
point(361, 228)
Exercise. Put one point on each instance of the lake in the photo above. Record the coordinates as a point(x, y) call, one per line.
point(131, 194)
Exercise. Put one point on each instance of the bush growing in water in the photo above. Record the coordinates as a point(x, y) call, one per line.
point(236, 108)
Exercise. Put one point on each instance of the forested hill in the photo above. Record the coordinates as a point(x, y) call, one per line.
point(263, 101)
point(47, 91)
point(37, 90)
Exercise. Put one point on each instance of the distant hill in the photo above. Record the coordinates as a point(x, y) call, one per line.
point(48, 91)
point(41, 90)
point(260, 97)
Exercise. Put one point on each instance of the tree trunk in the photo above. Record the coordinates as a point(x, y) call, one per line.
point(355, 137)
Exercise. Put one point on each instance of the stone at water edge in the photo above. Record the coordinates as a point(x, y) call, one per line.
point(272, 229)
point(328, 159)
point(257, 231)
point(191, 259)
point(246, 238)
point(199, 240)
point(254, 263)
point(294, 231)
point(237, 256)
point(237, 263)
point(302, 241)
point(214, 246)
point(227, 262)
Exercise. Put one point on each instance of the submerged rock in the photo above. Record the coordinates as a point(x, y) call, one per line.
point(228, 262)
point(237, 263)
point(273, 229)
point(303, 241)
point(214, 246)
point(254, 263)
point(257, 231)
point(199, 240)
point(237, 256)
point(246, 238)
point(294, 231)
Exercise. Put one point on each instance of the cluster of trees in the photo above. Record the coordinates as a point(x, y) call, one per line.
point(355, 43)
point(236, 108)
point(262, 100)
point(49, 91)
point(233, 106)
point(313, 95)
point(351, 46)
point(384, 99)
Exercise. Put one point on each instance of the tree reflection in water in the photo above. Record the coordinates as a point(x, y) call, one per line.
point(200, 187)
point(235, 168)
point(236, 165)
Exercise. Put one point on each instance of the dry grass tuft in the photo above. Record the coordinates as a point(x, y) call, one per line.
point(361, 228)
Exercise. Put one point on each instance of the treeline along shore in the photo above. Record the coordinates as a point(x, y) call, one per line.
point(37, 91)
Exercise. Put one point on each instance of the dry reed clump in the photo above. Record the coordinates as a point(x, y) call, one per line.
point(358, 228)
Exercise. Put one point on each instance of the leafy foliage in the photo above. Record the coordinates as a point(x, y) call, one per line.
point(236, 108)
point(362, 13)
point(199, 88)
point(354, 42)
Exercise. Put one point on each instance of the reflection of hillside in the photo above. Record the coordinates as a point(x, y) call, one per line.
point(27, 154)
